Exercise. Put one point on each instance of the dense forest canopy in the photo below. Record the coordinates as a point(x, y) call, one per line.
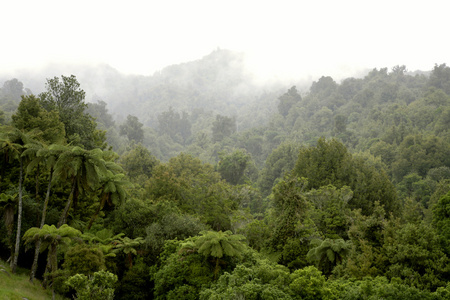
point(207, 186)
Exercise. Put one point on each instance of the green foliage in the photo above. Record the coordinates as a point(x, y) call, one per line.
point(8, 202)
point(256, 232)
point(330, 211)
point(2, 117)
point(98, 287)
point(135, 283)
point(309, 284)
point(181, 275)
point(290, 208)
point(288, 100)
point(112, 190)
point(330, 163)
point(84, 259)
point(31, 115)
point(293, 253)
point(131, 218)
point(260, 279)
point(379, 288)
point(233, 167)
point(65, 96)
point(440, 78)
point(129, 247)
point(132, 128)
point(176, 126)
point(441, 220)
point(103, 240)
point(194, 188)
point(218, 244)
point(138, 163)
point(278, 163)
point(328, 253)
point(413, 253)
point(322, 188)
point(223, 127)
point(100, 113)
point(52, 237)
point(171, 226)
point(419, 154)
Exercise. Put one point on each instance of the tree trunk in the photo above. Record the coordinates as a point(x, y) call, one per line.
point(63, 218)
point(44, 214)
point(47, 270)
point(19, 221)
point(54, 266)
point(36, 197)
point(94, 216)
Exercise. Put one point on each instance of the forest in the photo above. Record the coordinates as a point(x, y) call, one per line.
point(217, 188)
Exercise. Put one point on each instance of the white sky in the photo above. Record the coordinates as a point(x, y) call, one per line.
point(280, 38)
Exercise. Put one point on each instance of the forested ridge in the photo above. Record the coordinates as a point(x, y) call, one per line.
point(338, 191)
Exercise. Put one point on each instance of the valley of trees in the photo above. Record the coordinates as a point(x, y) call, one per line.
point(338, 192)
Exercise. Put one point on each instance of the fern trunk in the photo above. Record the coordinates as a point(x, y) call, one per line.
point(63, 218)
point(44, 214)
point(95, 215)
point(19, 221)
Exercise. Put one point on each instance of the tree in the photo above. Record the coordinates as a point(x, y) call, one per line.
point(67, 98)
point(174, 125)
point(441, 220)
point(31, 115)
point(132, 128)
point(223, 127)
point(340, 124)
point(329, 210)
point(253, 278)
point(278, 163)
point(138, 163)
point(413, 252)
point(13, 141)
point(13, 88)
point(51, 238)
point(329, 253)
point(329, 162)
point(309, 284)
point(128, 247)
point(100, 113)
point(217, 245)
point(83, 169)
point(8, 202)
point(48, 157)
point(232, 167)
point(98, 287)
point(2, 118)
point(440, 78)
point(289, 209)
point(288, 100)
point(112, 192)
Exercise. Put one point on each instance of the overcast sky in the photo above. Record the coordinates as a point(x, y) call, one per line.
point(279, 38)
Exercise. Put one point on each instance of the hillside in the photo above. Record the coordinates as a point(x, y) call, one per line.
point(338, 190)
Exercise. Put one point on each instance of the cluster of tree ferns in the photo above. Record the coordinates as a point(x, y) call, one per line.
point(343, 194)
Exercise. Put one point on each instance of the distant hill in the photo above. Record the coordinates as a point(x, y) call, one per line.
point(218, 82)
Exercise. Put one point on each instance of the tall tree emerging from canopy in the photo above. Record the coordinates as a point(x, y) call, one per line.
point(329, 162)
point(30, 115)
point(287, 100)
point(65, 96)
